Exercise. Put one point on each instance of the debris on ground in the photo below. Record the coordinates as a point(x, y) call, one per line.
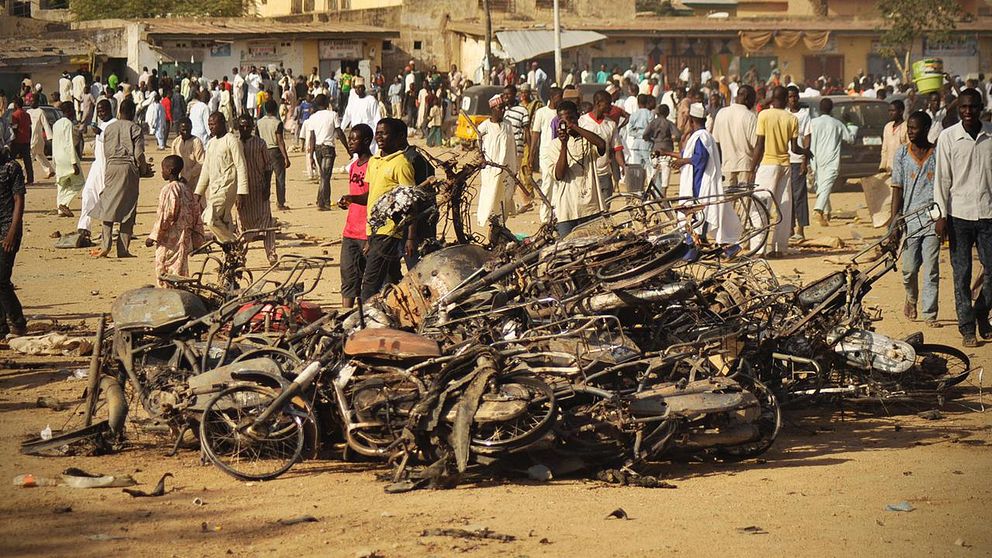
point(52, 344)
point(158, 491)
point(50, 403)
point(539, 473)
point(78, 478)
point(903, 506)
point(752, 530)
point(626, 478)
point(298, 519)
point(618, 513)
point(478, 534)
point(100, 537)
point(932, 414)
point(29, 480)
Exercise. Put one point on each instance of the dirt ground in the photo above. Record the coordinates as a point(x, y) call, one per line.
point(820, 491)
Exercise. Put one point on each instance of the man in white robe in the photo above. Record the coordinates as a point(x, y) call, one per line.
point(239, 91)
point(68, 170)
point(362, 108)
point(199, 114)
point(498, 146)
point(40, 129)
point(90, 197)
point(700, 179)
point(224, 177)
point(254, 84)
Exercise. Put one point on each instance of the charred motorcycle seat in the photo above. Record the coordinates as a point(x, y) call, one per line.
point(392, 344)
point(822, 289)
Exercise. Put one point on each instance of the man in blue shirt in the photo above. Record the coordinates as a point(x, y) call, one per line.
point(912, 190)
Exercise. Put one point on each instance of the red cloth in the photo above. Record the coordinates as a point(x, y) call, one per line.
point(354, 225)
point(23, 121)
point(167, 105)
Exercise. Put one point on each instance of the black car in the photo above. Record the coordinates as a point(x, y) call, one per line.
point(51, 114)
point(861, 158)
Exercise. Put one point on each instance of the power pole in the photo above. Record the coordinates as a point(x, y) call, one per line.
point(488, 64)
point(557, 45)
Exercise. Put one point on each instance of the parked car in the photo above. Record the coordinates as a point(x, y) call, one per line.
point(51, 114)
point(861, 158)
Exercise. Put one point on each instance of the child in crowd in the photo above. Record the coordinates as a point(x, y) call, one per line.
point(178, 227)
point(435, 119)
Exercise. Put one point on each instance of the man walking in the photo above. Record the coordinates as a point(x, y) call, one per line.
point(124, 147)
point(963, 193)
point(68, 173)
point(93, 187)
point(272, 132)
point(40, 129)
point(322, 128)
point(777, 130)
point(254, 210)
point(912, 191)
point(498, 146)
point(542, 135)
point(223, 178)
point(826, 133)
point(518, 116)
point(597, 122)
point(362, 109)
point(798, 164)
point(199, 116)
point(734, 130)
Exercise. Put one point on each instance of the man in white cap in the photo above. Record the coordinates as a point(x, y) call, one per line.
point(362, 108)
point(700, 179)
point(496, 137)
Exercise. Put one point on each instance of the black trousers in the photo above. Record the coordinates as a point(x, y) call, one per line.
point(23, 151)
point(10, 306)
point(325, 165)
point(279, 171)
point(382, 264)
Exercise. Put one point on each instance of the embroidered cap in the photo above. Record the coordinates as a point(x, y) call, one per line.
point(496, 101)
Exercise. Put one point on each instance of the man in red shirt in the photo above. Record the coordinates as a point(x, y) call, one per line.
point(166, 103)
point(20, 122)
point(354, 236)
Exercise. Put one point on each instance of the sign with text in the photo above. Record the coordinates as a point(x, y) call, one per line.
point(336, 49)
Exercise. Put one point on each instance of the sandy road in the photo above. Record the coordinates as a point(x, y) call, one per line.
point(820, 491)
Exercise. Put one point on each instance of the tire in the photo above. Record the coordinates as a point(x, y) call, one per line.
point(939, 367)
point(522, 430)
point(260, 453)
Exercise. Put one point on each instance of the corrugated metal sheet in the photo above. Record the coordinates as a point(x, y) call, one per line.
point(527, 44)
point(20, 51)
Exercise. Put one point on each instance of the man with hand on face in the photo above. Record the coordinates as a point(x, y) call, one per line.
point(223, 178)
point(576, 151)
point(963, 193)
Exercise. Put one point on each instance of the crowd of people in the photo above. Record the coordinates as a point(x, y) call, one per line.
point(231, 139)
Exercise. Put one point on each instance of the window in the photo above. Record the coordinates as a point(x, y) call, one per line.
point(550, 4)
point(387, 46)
point(20, 8)
point(417, 45)
point(54, 4)
point(498, 5)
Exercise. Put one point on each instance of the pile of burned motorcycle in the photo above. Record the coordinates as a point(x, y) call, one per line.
point(631, 341)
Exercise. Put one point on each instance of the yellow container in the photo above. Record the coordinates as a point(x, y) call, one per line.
point(928, 74)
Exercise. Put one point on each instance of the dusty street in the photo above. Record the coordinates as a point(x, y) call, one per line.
point(821, 490)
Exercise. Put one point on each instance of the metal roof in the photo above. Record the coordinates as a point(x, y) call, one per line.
point(248, 27)
point(20, 51)
point(528, 43)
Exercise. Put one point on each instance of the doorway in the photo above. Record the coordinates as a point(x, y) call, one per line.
point(830, 66)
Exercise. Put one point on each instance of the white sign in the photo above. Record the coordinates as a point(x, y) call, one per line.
point(336, 49)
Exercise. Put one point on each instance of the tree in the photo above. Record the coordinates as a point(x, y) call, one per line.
point(140, 9)
point(908, 20)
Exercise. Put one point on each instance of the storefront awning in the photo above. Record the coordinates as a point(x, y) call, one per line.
point(530, 43)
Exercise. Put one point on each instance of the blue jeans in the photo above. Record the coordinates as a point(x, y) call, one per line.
point(922, 252)
point(964, 235)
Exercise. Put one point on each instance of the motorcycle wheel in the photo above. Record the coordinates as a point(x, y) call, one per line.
point(939, 366)
point(769, 423)
point(524, 429)
point(263, 452)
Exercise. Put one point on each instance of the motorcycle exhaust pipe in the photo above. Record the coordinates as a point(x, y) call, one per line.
point(116, 403)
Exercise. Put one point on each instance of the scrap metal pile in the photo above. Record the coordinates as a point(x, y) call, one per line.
point(630, 341)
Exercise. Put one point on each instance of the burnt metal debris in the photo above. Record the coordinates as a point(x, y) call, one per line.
point(630, 341)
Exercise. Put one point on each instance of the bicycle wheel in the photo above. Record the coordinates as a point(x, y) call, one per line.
point(243, 449)
point(939, 366)
point(768, 423)
point(756, 221)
